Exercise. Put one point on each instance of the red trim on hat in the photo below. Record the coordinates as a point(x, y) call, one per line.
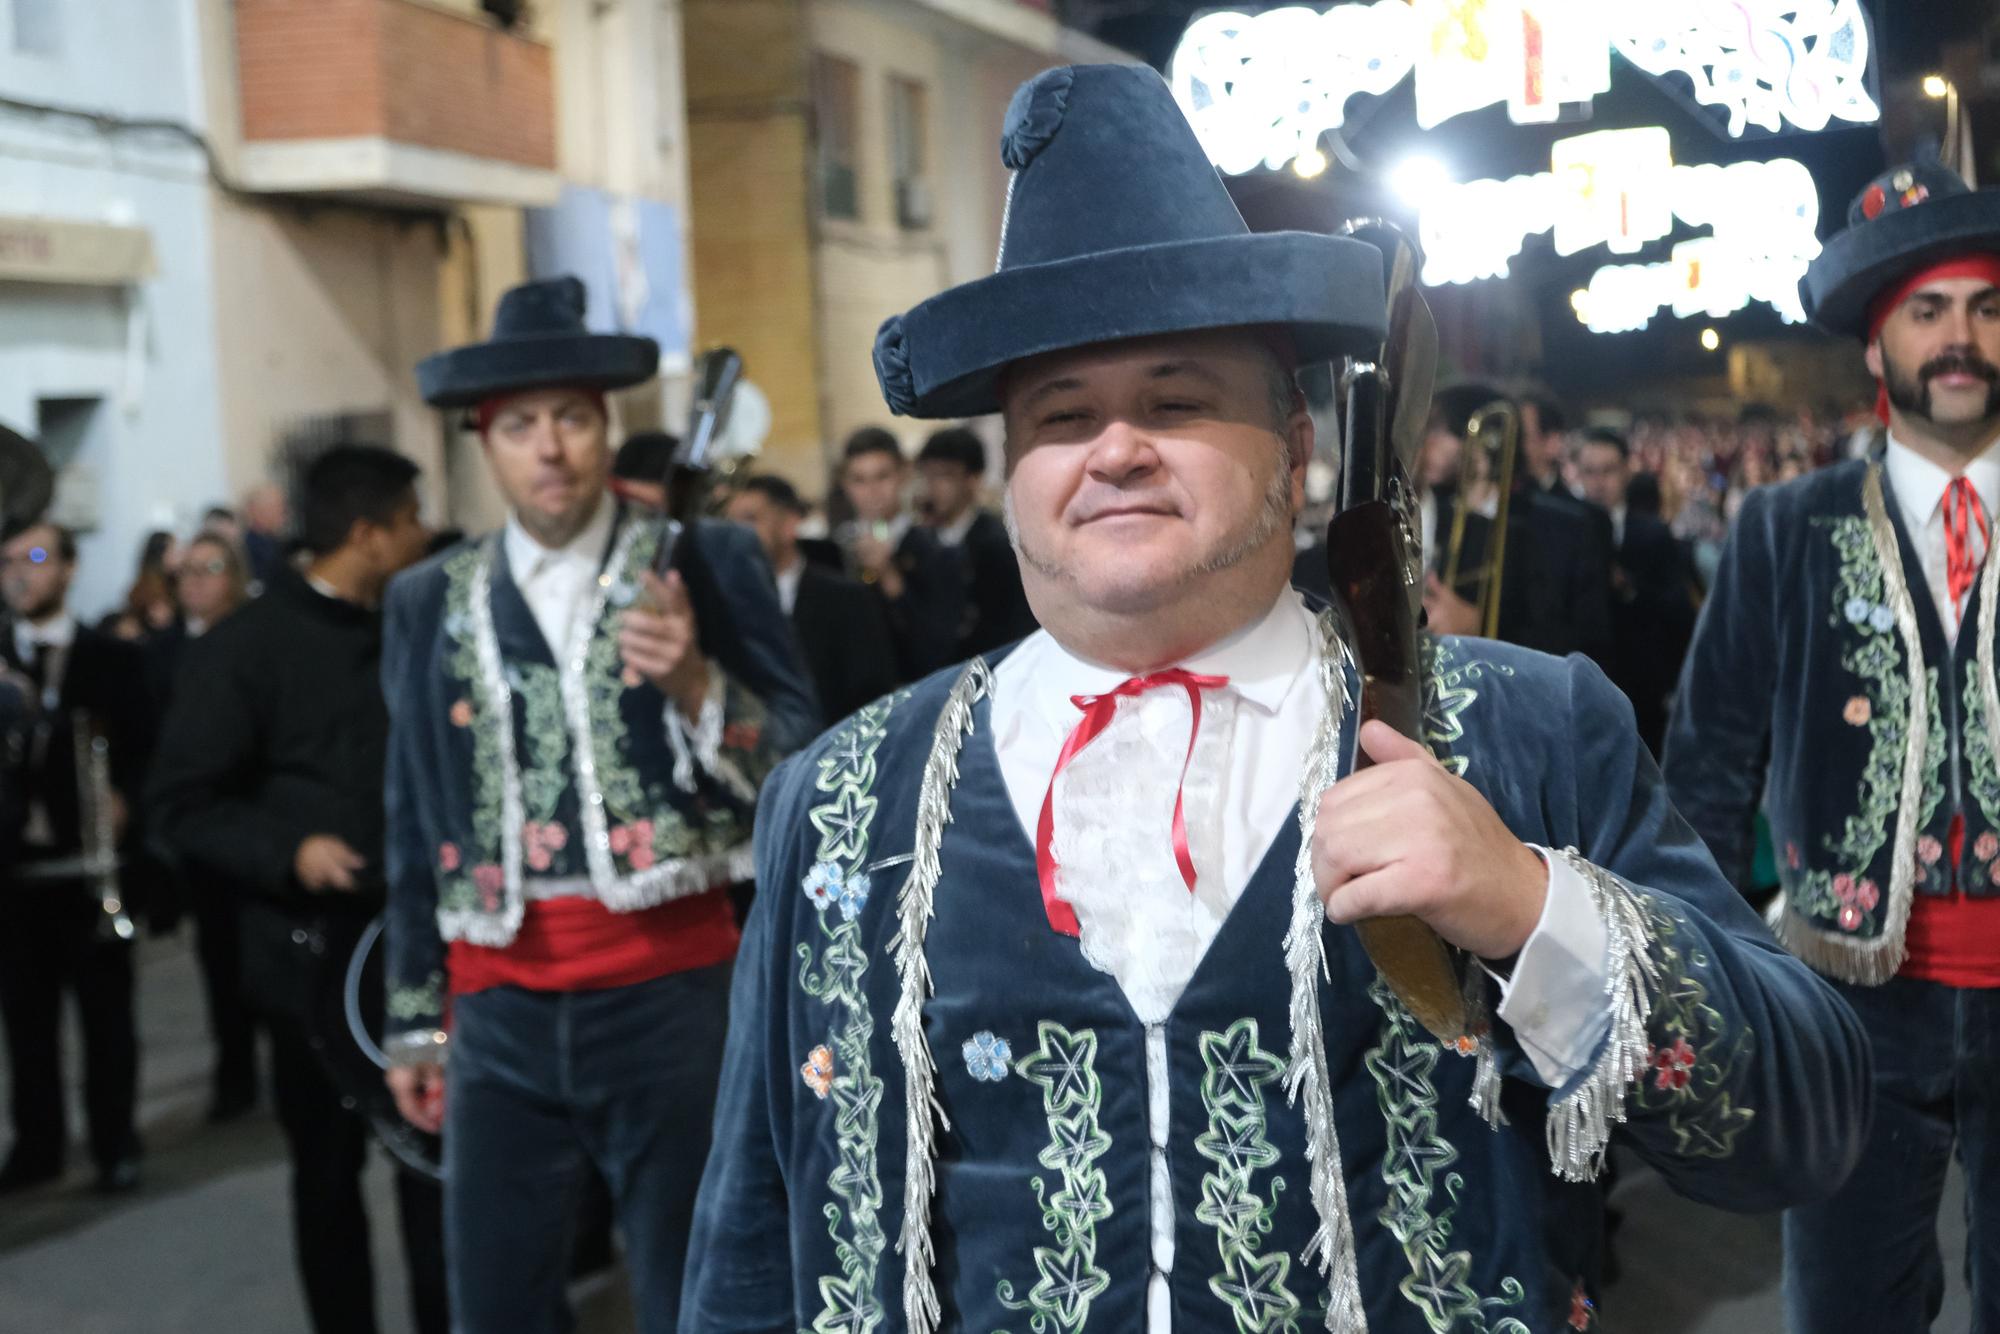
point(1982, 264)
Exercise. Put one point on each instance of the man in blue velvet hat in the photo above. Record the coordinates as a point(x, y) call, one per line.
point(1842, 677)
point(575, 750)
point(1051, 1014)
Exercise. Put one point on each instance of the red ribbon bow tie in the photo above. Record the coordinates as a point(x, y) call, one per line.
point(1961, 564)
point(1098, 711)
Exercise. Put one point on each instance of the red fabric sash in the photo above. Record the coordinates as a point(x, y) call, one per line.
point(1098, 710)
point(576, 944)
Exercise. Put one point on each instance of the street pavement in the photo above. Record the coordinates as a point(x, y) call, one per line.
point(205, 1244)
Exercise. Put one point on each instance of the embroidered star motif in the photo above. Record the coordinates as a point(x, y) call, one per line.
point(1440, 1289)
point(850, 1308)
point(854, 1178)
point(1711, 1132)
point(1075, 1142)
point(1407, 1071)
point(845, 962)
point(1063, 1066)
point(1408, 1218)
point(1254, 1287)
point(1416, 1152)
point(1236, 1067)
point(1236, 1143)
point(843, 825)
point(851, 760)
point(856, 1102)
point(1069, 1283)
point(1085, 1201)
point(1227, 1206)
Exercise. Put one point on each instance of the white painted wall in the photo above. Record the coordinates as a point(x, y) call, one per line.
point(147, 352)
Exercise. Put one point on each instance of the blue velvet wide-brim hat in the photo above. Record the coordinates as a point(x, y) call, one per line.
point(1907, 219)
point(539, 342)
point(1117, 227)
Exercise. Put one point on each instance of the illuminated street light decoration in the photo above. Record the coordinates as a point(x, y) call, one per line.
point(1261, 89)
point(1620, 189)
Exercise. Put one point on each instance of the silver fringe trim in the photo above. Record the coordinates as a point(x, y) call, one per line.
point(1873, 962)
point(923, 1113)
point(1485, 1097)
point(1579, 1125)
point(1989, 691)
point(1332, 1244)
point(674, 878)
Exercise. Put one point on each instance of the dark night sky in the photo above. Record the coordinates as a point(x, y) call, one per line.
point(1486, 144)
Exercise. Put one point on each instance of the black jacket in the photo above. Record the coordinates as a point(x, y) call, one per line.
point(998, 611)
point(845, 637)
point(276, 731)
point(1652, 618)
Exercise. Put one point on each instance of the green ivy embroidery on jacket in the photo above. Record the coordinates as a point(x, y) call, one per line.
point(1873, 652)
point(419, 1002)
point(837, 886)
point(1439, 1283)
point(1452, 690)
point(1064, 1064)
point(1694, 1059)
point(1236, 1072)
point(471, 710)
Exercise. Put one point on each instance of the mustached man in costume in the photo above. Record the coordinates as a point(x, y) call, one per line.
point(1050, 1013)
point(1842, 673)
point(575, 749)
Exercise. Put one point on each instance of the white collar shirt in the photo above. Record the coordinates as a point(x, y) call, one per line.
point(1112, 816)
point(554, 581)
point(788, 583)
point(1920, 486)
point(953, 534)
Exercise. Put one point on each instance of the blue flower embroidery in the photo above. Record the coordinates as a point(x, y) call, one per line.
point(1881, 619)
point(623, 593)
point(1857, 610)
point(987, 1058)
point(824, 885)
point(853, 893)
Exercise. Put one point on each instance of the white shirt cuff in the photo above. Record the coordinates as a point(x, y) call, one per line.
point(697, 741)
point(1555, 1002)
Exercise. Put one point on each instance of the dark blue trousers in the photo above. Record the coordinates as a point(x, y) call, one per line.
point(1867, 1260)
point(540, 1084)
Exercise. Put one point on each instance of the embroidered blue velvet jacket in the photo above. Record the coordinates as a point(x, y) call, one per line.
point(506, 765)
point(896, 956)
point(1821, 683)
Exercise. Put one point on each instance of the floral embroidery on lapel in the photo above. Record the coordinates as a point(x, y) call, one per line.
point(1451, 689)
point(818, 1071)
point(987, 1057)
point(835, 978)
point(1236, 1072)
point(1694, 1059)
point(1439, 1283)
point(1065, 1065)
point(1983, 860)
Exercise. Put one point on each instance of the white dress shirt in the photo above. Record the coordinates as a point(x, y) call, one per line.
point(1112, 835)
point(1920, 485)
point(58, 633)
point(953, 534)
point(788, 583)
point(555, 581)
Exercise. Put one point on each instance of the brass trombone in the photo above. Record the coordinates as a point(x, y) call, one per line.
point(1492, 441)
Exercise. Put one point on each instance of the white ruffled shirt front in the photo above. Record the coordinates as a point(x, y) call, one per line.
point(1113, 840)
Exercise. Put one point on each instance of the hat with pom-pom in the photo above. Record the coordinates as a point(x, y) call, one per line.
point(1116, 226)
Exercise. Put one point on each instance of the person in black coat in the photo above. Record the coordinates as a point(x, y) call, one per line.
point(55, 931)
point(841, 628)
point(915, 577)
point(951, 466)
point(1653, 584)
point(268, 785)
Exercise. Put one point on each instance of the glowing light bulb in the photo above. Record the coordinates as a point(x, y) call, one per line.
point(1936, 85)
point(1309, 163)
point(1710, 340)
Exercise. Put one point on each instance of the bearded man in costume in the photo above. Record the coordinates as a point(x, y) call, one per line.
point(1842, 676)
point(575, 749)
point(1051, 1014)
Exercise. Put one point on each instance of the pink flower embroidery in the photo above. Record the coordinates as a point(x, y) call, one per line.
point(642, 856)
point(642, 832)
point(1792, 855)
point(1850, 917)
point(489, 880)
point(555, 837)
point(818, 1071)
point(461, 713)
point(448, 857)
point(539, 859)
point(1929, 850)
point(742, 736)
point(1858, 711)
point(1985, 846)
point(1866, 896)
point(1672, 1064)
point(1843, 887)
point(621, 839)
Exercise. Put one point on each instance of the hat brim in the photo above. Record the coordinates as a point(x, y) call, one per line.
point(1326, 291)
point(1860, 262)
point(465, 376)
